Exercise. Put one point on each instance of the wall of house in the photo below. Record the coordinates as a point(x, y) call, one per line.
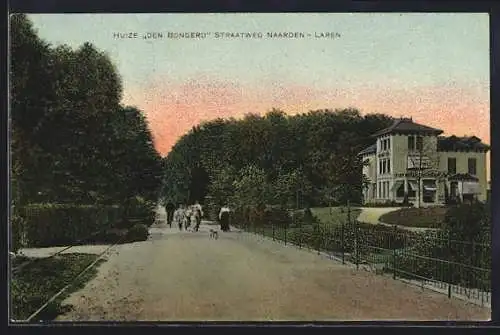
point(399, 154)
point(463, 166)
point(369, 170)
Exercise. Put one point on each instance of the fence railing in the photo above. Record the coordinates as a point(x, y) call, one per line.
point(431, 259)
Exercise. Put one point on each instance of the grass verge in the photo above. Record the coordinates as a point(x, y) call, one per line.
point(432, 217)
point(36, 283)
point(334, 215)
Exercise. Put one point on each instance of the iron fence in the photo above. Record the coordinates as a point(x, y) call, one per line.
point(429, 259)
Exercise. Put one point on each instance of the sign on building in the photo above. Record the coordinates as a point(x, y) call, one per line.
point(471, 187)
point(419, 162)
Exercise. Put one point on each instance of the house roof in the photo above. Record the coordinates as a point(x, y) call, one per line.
point(465, 143)
point(369, 150)
point(463, 177)
point(407, 126)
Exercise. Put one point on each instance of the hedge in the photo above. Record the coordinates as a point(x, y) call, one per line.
point(138, 211)
point(65, 224)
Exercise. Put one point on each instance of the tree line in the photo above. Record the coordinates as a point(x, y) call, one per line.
point(308, 159)
point(72, 141)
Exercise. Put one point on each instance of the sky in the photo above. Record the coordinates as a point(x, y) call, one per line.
point(433, 67)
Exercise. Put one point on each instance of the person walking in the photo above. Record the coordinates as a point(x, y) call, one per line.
point(198, 214)
point(187, 217)
point(179, 216)
point(170, 209)
point(224, 218)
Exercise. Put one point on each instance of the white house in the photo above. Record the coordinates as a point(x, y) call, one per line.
point(411, 161)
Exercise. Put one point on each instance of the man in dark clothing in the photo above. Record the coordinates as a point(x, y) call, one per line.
point(224, 218)
point(170, 208)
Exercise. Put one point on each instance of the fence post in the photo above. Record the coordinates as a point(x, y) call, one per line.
point(300, 234)
point(285, 232)
point(342, 241)
point(356, 252)
point(394, 253)
point(318, 233)
point(449, 276)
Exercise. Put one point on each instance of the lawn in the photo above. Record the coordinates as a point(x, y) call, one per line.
point(334, 215)
point(432, 217)
point(33, 285)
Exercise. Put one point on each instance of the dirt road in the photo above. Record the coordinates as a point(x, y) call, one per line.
point(187, 276)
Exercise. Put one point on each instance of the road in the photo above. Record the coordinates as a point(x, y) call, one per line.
point(187, 276)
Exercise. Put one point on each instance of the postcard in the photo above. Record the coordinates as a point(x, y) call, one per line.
point(249, 167)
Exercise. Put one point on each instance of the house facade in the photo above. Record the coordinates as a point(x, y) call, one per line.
point(412, 162)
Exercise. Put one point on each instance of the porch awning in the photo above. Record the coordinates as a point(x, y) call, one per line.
point(429, 185)
point(462, 177)
point(413, 185)
point(396, 185)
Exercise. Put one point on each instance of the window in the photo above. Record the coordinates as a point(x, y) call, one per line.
point(380, 167)
point(384, 166)
point(429, 191)
point(452, 165)
point(472, 166)
point(379, 189)
point(411, 143)
point(388, 144)
point(388, 166)
point(420, 143)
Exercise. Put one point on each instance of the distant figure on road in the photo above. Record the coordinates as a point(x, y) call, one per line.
point(197, 215)
point(170, 209)
point(224, 216)
point(188, 213)
point(180, 216)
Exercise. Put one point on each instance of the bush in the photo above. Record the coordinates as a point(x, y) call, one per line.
point(468, 221)
point(108, 236)
point(138, 232)
point(138, 209)
point(17, 225)
point(277, 216)
point(465, 242)
point(65, 224)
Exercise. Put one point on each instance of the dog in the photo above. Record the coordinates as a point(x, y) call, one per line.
point(214, 234)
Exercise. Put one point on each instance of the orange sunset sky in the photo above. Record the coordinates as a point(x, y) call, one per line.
point(432, 67)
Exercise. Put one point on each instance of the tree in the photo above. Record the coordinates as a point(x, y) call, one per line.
point(30, 96)
point(290, 188)
point(222, 185)
point(251, 189)
point(71, 139)
point(322, 144)
point(425, 158)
